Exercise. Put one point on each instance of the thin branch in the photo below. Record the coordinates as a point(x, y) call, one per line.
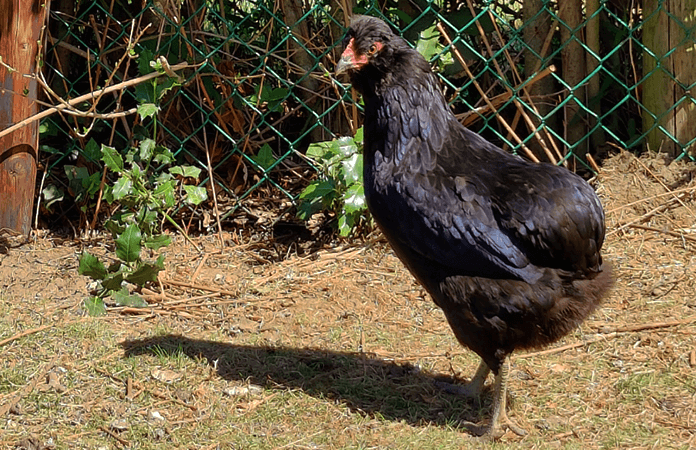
point(663, 185)
point(520, 110)
point(648, 214)
point(549, 351)
point(91, 96)
point(607, 334)
point(592, 162)
point(671, 233)
point(201, 287)
point(500, 99)
point(644, 326)
point(41, 375)
point(24, 333)
point(484, 96)
point(691, 190)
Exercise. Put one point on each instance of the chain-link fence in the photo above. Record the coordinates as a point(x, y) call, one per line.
point(554, 84)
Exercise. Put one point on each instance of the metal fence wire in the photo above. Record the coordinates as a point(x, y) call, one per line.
point(553, 84)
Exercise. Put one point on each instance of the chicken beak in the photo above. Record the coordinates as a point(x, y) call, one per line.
point(349, 60)
point(346, 63)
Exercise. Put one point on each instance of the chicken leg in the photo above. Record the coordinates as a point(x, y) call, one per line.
point(473, 388)
point(500, 419)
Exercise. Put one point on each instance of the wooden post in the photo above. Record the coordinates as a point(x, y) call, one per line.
point(537, 31)
point(20, 30)
point(664, 97)
point(573, 62)
point(593, 85)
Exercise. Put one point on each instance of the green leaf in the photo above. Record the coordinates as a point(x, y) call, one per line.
point(318, 189)
point(165, 193)
point(163, 155)
point(146, 272)
point(316, 196)
point(95, 306)
point(354, 199)
point(92, 150)
point(164, 86)
point(112, 158)
point(113, 281)
point(359, 136)
point(146, 217)
point(319, 150)
point(135, 172)
point(131, 155)
point(144, 92)
point(195, 195)
point(306, 208)
point(124, 298)
point(346, 146)
point(428, 43)
point(185, 171)
point(75, 173)
point(276, 94)
point(147, 110)
point(158, 241)
point(119, 221)
point(147, 148)
point(92, 183)
point(128, 244)
point(345, 224)
point(52, 194)
point(122, 188)
point(275, 97)
point(48, 128)
point(353, 169)
point(145, 55)
point(48, 149)
point(162, 178)
point(265, 157)
point(91, 266)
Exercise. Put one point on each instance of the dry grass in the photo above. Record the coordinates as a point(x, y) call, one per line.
point(340, 349)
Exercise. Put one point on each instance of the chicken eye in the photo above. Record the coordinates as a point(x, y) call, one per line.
point(373, 49)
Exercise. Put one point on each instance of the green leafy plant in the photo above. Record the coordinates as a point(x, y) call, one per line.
point(339, 187)
point(144, 193)
point(429, 46)
point(264, 158)
point(272, 98)
point(143, 197)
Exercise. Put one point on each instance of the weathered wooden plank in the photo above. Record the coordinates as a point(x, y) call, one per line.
point(20, 29)
point(668, 35)
point(573, 63)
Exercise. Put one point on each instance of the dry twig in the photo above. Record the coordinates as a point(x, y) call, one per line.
point(201, 287)
point(24, 333)
point(90, 96)
point(41, 375)
point(507, 127)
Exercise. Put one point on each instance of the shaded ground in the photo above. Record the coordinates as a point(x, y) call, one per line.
point(340, 349)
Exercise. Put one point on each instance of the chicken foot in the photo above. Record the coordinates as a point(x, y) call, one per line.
point(500, 419)
point(473, 389)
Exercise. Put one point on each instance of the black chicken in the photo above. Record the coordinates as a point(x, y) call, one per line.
point(510, 250)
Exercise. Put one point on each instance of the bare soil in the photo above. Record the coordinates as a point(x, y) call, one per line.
point(340, 348)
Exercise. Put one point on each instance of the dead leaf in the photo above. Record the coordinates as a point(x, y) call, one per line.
point(559, 368)
point(165, 375)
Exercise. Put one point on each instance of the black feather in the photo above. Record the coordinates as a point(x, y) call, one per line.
point(510, 250)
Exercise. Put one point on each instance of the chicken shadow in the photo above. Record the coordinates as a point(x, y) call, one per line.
point(366, 385)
